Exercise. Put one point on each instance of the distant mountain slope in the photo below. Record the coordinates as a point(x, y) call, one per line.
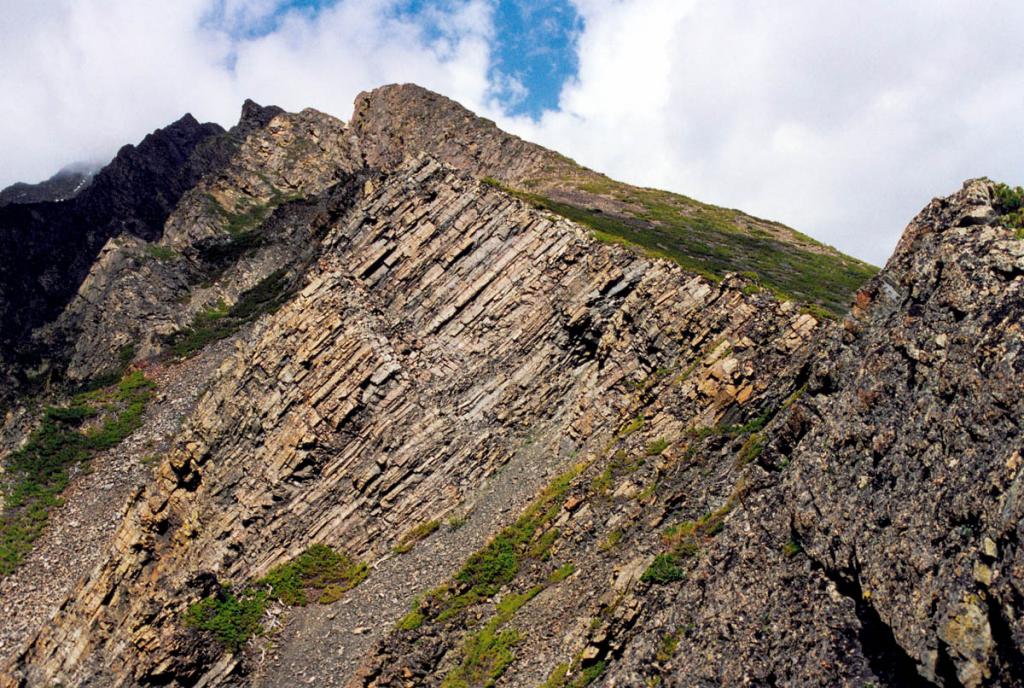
point(700, 237)
point(67, 183)
point(48, 247)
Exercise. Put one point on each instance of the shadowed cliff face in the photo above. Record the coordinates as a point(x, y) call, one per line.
point(725, 489)
point(49, 247)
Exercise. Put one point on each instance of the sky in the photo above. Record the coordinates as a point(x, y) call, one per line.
point(841, 120)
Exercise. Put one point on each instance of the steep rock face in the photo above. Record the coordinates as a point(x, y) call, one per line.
point(871, 533)
point(907, 491)
point(758, 497)
point(49, 248)
point(442, 322)
point(213, 246)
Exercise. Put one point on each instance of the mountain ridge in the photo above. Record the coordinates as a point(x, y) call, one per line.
point(698, 236)
point(562, 461)
point(66, 183)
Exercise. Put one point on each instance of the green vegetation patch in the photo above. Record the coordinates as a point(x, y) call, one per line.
point(657, 446)
point(611, 540)
point(620, 464)
point(67, 436)
point(668, 646)
point(736, 430)
point(420, 532)
point(567, 675)
point(498, 562)
point(161, 252)
point(232, 619)
point(751, 449)
point(245, 218)
point(562, 572)
point(631, 427)
point(664, 569)
point(486, 654)
point(683, 541)
point(457, 521)
point(220, 321)
point(248, 213)
point(320, 574)
point(712, 241)
point(1010, 201)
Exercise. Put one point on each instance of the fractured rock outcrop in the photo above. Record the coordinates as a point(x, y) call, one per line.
point(830, 503)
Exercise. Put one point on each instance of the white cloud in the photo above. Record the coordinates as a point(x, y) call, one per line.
point(83, 77)
point(841, 119)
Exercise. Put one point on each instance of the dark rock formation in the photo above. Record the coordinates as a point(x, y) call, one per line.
point(67, 183)
point(49, 247)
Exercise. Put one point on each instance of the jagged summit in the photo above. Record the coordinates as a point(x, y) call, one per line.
point(423, 421)
point(48, 247)
point(255, 116)
point(55, 245)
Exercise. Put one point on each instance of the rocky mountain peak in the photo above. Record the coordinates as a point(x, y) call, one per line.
point(50, 246)
point(255, 116)
point(400, 120)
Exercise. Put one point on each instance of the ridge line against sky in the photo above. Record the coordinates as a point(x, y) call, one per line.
point(840, 119)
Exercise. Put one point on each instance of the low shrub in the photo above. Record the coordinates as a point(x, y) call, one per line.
point(320, 574)
point(664, 569)
point(657, 446)
point(231, 619)
point(219, 321)
point(420, 532)
point(161, 252)
point(1010, 201)
point(631, 427)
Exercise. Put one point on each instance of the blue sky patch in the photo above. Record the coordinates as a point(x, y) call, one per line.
point(533, 54)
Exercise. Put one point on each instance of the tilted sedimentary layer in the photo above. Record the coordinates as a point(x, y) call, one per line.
point(747, 494)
